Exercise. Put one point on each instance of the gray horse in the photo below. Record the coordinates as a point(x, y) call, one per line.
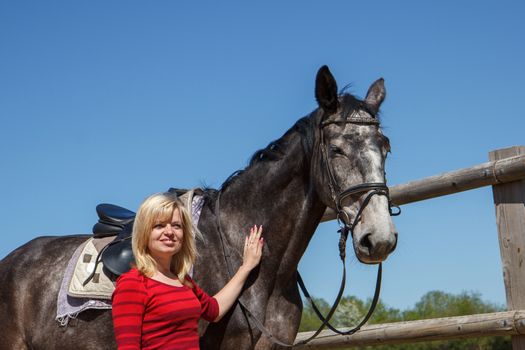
point(286, 188)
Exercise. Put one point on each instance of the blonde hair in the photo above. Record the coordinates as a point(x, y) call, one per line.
point(159, 207)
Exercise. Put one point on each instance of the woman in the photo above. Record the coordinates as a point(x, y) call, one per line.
point(156, 305)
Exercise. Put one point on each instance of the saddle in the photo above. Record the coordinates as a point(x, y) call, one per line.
point(117, 256)
point(112, 220)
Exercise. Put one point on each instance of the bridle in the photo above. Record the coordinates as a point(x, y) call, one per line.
point(372, 188)
point(347, 227)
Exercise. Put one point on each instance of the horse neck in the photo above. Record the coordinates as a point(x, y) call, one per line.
point(280, 195)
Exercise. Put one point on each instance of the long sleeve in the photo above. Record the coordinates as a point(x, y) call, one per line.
point(129, 300)
point(209, 305)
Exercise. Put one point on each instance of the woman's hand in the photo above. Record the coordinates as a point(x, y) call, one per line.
point(253, 248)
point(252, 256)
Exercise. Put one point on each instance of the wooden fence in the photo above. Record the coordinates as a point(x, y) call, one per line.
point(505, 172)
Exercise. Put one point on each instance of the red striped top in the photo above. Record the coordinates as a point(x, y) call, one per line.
point(149, 314)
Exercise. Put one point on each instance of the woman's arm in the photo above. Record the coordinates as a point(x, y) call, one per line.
point(252, 256)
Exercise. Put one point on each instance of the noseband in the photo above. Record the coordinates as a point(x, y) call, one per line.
point(373, 188)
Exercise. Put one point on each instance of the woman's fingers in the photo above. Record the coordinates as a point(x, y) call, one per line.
point(260, 246)
point(259, 240)
point(255, 234)
point(253, 246)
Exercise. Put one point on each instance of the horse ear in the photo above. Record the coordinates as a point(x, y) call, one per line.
point(326, 90)
point(376, 95)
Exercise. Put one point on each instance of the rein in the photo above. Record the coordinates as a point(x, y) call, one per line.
point(373, 188)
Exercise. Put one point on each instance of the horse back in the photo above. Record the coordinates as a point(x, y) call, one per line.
point(32, 276)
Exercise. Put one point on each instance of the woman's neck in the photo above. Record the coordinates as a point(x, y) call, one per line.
point(163, 265)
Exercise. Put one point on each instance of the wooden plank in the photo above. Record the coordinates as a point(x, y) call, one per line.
point(486, 174)
point(471, 326)
point(509, 199)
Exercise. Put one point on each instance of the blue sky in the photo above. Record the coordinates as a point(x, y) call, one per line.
point(111, 101)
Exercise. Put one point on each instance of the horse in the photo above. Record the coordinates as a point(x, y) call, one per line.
point(322, 161)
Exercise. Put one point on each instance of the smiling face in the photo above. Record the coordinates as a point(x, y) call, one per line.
point(166, 237)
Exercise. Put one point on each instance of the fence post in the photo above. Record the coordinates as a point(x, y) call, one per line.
point(509, 199)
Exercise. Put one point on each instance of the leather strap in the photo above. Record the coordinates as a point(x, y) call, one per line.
point(325, 320)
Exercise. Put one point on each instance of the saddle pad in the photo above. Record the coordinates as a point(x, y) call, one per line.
point(100, 286)
point(69, 307)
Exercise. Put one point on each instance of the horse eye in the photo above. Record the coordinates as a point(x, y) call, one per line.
point(336, 150)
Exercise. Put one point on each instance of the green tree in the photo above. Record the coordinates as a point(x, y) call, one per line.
point(440, 304)
point(433, 304)
point(352, 310)
point(309, 320)
point(349, 312)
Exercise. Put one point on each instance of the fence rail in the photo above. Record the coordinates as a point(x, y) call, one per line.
point(471, 326)
point(505, 173)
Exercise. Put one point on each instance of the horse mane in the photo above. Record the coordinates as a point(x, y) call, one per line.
point(304, 127)
point(276, 149)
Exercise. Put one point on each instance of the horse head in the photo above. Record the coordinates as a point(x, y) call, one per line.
point(353, 151)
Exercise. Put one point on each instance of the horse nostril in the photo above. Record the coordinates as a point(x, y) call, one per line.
point(365, 242)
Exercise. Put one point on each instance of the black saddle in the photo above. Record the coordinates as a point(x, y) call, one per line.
point(117, 256)
point(112, 220)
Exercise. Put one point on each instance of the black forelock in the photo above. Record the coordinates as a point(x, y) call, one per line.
point(349, 103)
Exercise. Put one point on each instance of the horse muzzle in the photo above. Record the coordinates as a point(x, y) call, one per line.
point(371, 249)
point(375, 236)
